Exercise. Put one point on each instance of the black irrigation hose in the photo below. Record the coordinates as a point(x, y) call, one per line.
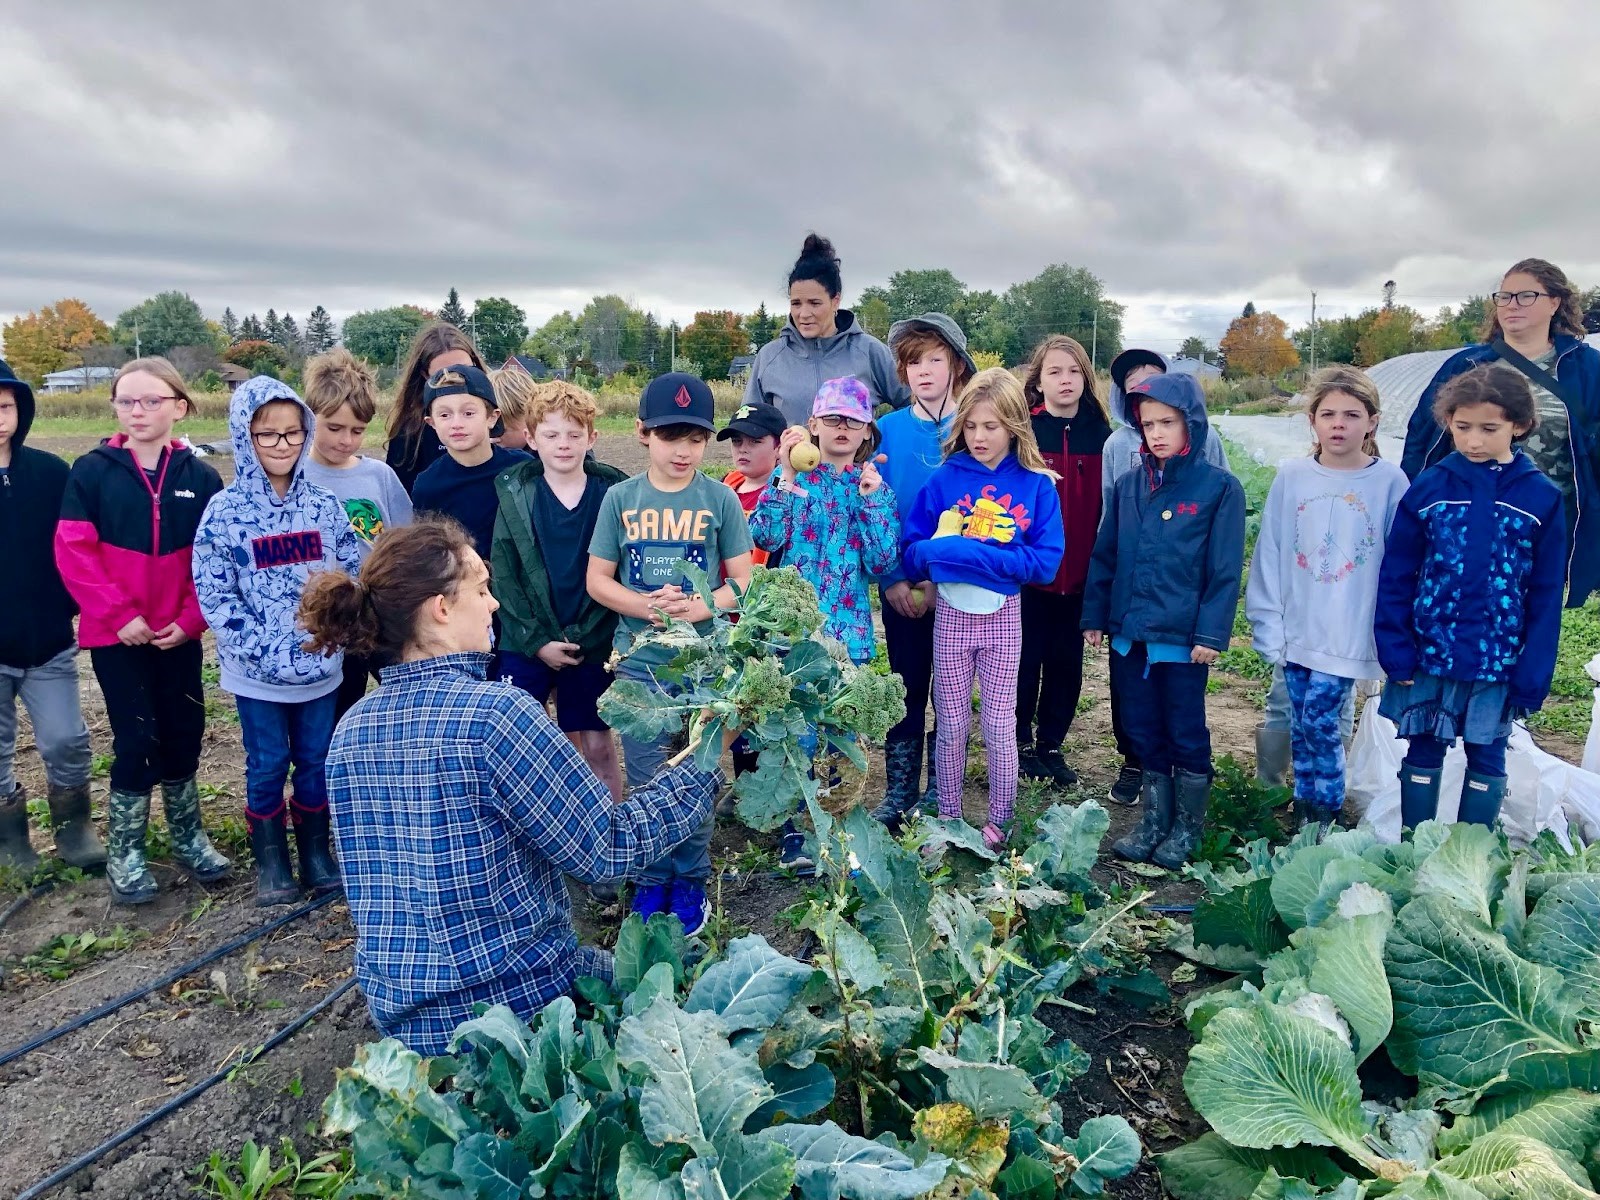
point(189, 968)
point(26, 898)
point(59, 1177)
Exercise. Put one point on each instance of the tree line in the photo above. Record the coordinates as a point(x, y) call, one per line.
point(610, 335)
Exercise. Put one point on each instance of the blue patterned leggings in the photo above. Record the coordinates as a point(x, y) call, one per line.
point(1316, 702)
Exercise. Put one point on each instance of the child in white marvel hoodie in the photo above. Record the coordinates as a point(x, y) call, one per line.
point(259, 541)
point(1314, 578)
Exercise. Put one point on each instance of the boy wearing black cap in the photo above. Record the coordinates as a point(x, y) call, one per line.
point(649, 527)
point(460, 406)
point(754, 432)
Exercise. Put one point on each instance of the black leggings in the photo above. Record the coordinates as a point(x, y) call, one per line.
point(157, 708)
point(1050, 675)
point(909, 641)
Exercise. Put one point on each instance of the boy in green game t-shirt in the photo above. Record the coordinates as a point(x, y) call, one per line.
point(649, 527)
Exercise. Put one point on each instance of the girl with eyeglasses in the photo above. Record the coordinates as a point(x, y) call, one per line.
point(1535, 328)
point(258, 545)
point(124, 547)
point(837, 524)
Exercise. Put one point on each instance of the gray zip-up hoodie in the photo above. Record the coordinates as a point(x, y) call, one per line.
point(790, 368)
point(1121, 451)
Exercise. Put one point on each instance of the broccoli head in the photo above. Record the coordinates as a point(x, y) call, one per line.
point(867, 704)
point(778, 604)
point(761, 691)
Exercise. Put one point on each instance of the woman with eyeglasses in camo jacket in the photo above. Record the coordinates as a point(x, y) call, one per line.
point(1534, 323)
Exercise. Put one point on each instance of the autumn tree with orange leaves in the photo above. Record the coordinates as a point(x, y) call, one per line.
point(52, 339)
point(1257, 343)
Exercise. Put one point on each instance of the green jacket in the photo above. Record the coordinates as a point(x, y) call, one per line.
point(521, 583)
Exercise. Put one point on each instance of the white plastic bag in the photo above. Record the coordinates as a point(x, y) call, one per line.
point(1542, 791)
point(1591, 748)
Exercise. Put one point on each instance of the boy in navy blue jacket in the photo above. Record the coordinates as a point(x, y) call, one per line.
point(1164, 583)
point(462, 409)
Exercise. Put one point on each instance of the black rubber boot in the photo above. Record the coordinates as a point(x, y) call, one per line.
point(1155, 821)
point(930, 798)
point(902, 767)
point(1419, 794)
point(319, 875)
point(1193, 793)
point(269, 842)
point(77, 844)
point(1307, 814)
point(1055, 767)
point(15, 849)
point(1481, 796)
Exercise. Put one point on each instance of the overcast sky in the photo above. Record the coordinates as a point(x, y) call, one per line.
point(1192, 154)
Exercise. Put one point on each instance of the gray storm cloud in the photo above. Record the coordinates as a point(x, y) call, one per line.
point(363, 154)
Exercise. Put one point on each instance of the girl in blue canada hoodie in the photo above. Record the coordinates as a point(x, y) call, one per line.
point(259, 541)
point(1469, 596)
point(987, 522)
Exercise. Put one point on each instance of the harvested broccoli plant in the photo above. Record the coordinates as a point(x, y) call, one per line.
point(764, 668)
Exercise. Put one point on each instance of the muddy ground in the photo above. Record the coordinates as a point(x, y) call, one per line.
point(65, 1098)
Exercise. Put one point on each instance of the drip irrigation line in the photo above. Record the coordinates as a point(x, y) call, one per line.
point(1170, 908)
point(171, 977)
point(26, 898)
point(59, 1177)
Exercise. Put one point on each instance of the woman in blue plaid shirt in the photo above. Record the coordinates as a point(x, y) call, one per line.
point(458, 806)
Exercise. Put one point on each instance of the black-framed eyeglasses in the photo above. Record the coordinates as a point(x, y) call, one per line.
point(834, 421)
point(148, 403)
point(1523, 299)
point(268, 439)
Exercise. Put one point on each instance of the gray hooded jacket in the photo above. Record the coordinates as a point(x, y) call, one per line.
point(790, 368)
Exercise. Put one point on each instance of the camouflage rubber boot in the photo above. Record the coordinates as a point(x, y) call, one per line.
point(190, 845)
point(15, 849)
point(126, 872)
point(77, 844)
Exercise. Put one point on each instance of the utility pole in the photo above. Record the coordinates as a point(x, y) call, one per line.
point(672, 343)
point(137, 344)
point(1094, 338)
point(1313, 331)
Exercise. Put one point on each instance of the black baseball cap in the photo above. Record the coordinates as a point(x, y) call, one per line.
point(1125, 362)
point(677, 398)
point(459, 381)
point(755, 421)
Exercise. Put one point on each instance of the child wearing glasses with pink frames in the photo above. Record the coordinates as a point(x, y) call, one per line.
point(837, 522)
point(259, 542)
point(123, 545)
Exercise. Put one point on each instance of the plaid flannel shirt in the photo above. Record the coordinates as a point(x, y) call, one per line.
point(457, 807)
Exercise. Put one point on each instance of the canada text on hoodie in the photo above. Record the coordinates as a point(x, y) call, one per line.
point(125, 540)
point(39, 609)
point(253, 554)
point(1008, 520)
point(1169, 556)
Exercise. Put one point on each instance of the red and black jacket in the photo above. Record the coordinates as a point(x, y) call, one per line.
point(124, 544)
point(1071, 447)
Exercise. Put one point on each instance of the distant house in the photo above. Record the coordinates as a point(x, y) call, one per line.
point(233, 375)
point(526, 362)
point(1198, 367)
point(78, 379)
point(739, 368)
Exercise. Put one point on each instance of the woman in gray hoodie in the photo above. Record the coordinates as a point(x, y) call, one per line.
point(820, 341)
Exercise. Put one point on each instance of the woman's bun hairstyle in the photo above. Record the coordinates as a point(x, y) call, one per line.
point(818, 262)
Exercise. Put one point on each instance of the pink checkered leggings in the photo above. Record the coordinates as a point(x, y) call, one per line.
point(987, 647)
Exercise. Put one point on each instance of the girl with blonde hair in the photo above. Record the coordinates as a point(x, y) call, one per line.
point(986, 523)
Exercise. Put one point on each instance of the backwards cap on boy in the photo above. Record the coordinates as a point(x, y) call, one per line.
point(459, 381)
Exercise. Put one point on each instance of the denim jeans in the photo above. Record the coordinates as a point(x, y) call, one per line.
point(278, 735)
point(1164, 711)
point(642, 761)
point(50, 694)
